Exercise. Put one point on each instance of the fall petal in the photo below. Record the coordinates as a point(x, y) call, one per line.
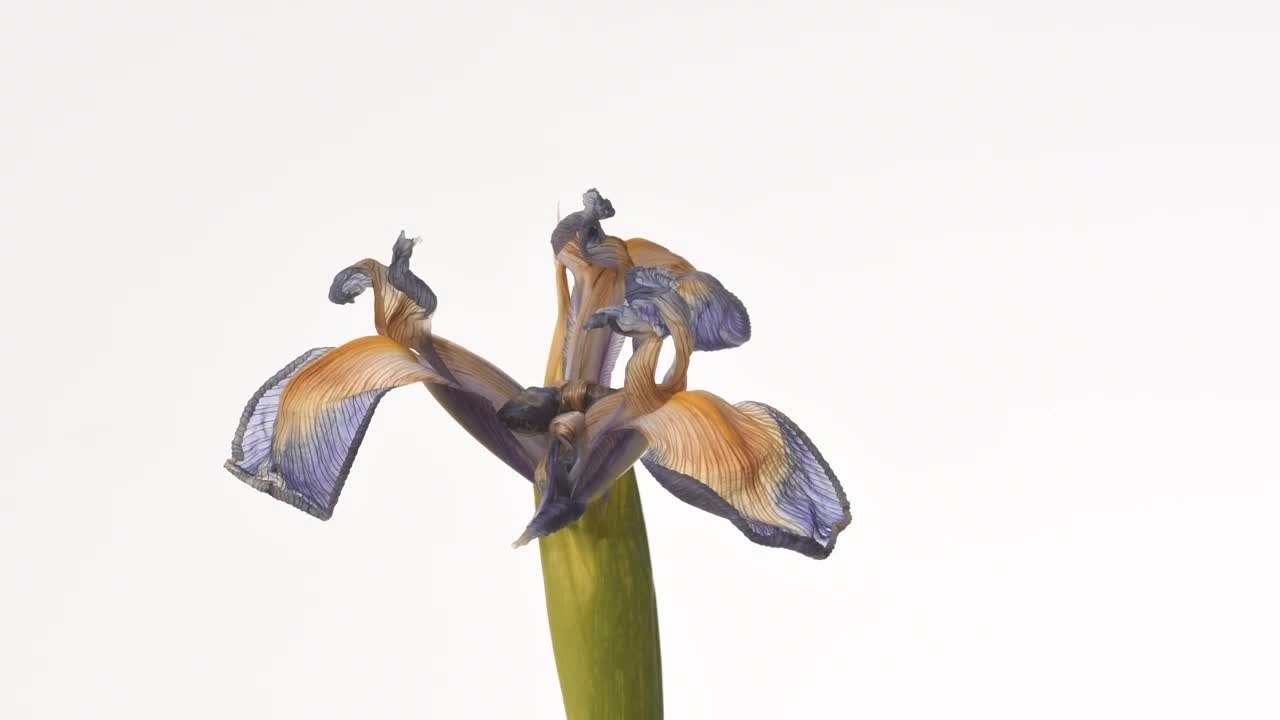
point(478, 390)
point(750, 464)
point(300, 432)
point(474, 388)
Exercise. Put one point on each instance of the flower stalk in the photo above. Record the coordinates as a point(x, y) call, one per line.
point(603, 612)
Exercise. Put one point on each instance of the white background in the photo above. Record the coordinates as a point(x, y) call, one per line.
point(1012, 267)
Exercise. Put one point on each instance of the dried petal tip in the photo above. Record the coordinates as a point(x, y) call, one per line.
point(404, 280)
point(349, 283)
point(596, 205)
point(554, 514)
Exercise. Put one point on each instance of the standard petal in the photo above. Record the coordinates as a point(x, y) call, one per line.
point(300, 432)
point(589, 354)
point(750, 464)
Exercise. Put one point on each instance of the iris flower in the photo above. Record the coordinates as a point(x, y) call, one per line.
point(575, 437)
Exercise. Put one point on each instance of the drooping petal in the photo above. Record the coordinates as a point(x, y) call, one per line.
point(477, 391)
point(300, 432)
point(747, 463)
point(403, 306)
point(557, 507)
point(611, 454)
point(568, 492)
point(252, 442)
point(603, 450)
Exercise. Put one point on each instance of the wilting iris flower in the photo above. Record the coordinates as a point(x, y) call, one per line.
point(575, 437)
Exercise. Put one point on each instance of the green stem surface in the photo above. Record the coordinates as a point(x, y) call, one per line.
point(603, 612)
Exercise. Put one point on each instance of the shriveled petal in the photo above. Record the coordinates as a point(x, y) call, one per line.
point(750, 464)
point(478, 389)
point(589, 354)
point(645, 253)
point(403, 305)
point(597, 262)
point(603, 450)
point(395, 314)
point(636, 321)
point(300, 432)
point(595, 208)
point(568, 492)
point(718, 318)
point(557, 507)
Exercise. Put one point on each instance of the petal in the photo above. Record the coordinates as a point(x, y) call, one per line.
point(750, 464)
point(603, 451)
point(475, 388)
point(590, 353)
point(478, 390)
point(567, 494)
point(594, 209)
point(300, 432)
point(650, 254)
point(395, 314)
point(403, 303)
point(717, 317)
point(557, 507)
point(597, 262)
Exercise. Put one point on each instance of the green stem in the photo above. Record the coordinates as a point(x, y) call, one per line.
point(603, 612)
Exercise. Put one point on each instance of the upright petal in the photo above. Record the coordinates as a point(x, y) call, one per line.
point(598, 263)
point(747, 463)
point(300, 432)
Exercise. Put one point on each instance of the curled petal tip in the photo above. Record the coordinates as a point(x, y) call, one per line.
point(597, 205)
point(349, 283)
point(404, 246)
point(404, 280)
